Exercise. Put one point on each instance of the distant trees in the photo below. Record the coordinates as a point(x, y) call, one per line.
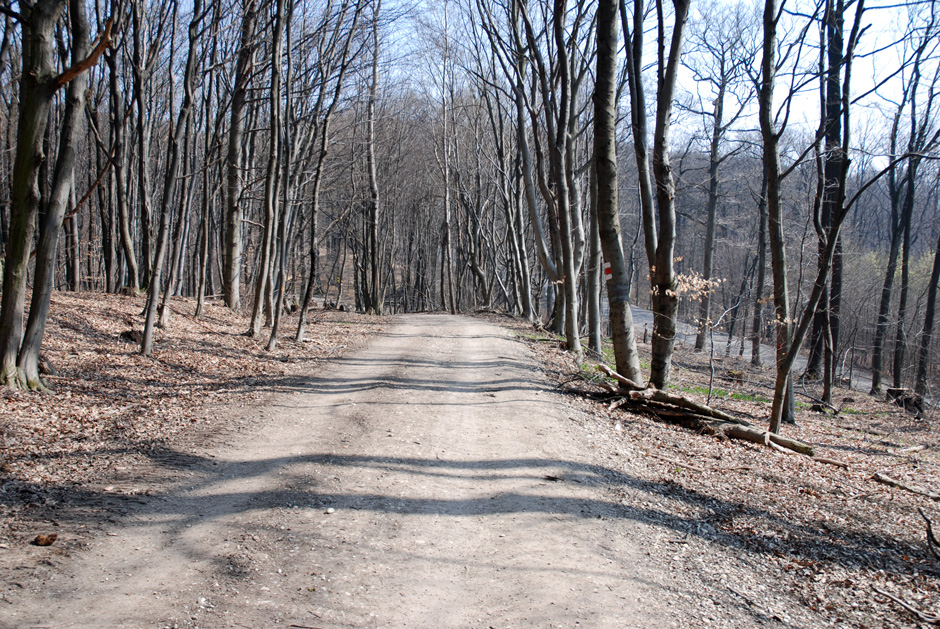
point(719, 57)
point(278, 154)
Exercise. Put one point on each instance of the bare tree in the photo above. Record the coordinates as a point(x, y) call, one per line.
point(659, 221)
point(718, 57)
point(51, 219)
point(270, 203)
point(231, 280)
point(39, 83)
point(375, 298)
point(607, 217)
point(176, 138)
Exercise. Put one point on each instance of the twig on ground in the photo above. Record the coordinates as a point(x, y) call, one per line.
point(930, 619)
point(675, 462)
point(884, 479)
point(932, 543)
point(828, 461)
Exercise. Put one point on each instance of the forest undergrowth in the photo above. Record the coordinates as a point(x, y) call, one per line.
point(831, 537)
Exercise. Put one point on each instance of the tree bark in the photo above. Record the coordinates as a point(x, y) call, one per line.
point(778, 254)
point(263, 279)
point(118, 163)
point(900, 338)
point(143, 68)
point(608, 214)
point(37, 81)
point(711, 211)
point(659, 223)
point(324, 135)
point(923, 352)
point(884, 307)
point(50, 223)
point(757, 328)
point(595, 260)
point(232, 258)
point(374, 200)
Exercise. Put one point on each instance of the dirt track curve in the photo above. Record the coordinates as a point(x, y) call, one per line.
point(431, 479)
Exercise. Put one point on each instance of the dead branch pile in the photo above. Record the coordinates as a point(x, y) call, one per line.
point(686, 412)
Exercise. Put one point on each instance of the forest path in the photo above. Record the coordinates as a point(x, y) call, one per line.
point(430, 479)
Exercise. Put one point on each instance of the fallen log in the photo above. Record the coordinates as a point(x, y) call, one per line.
point(756, 435)
point(687, 412)
point(729, 430)
point(627, 382)
point(683, 402)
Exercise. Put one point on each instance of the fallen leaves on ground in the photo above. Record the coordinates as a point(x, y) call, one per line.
point(826, 536)
point(112, 410)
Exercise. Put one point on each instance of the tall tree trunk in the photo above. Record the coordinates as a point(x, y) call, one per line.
point(206, 218)
point(118, 164)
point(170, 180)
point(375, 305)
point(595, 257)
point(711, 212)
point(884, 307)
point(50, 223)
point(900, 338)
point(263, 280)
point(74, 250)
point(321, 154)
point(778, 254)
point(665, 289)
point(232, 259)
point(659, 223)
point(105, 215)
point(758, 325)
point(37, 81)
point(923, 352)
point(793, 338)
point(285, 225)
point(180, 232)
point(608, 211)
point(143, 68)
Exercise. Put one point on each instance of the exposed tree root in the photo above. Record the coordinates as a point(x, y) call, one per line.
point(686, 412)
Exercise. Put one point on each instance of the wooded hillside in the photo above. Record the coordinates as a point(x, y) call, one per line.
point(762, 172)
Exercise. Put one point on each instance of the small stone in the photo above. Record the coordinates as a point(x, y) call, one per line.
point(330, 511)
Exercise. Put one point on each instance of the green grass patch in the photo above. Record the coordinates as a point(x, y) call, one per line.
point(722, 393)
point(610, 360)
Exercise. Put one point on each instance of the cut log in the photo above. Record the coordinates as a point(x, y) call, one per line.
point(678, 409)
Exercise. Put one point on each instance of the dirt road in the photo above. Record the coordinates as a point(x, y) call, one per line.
point(431, 479)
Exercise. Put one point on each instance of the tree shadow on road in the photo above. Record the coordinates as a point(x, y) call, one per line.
point(210, 490)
